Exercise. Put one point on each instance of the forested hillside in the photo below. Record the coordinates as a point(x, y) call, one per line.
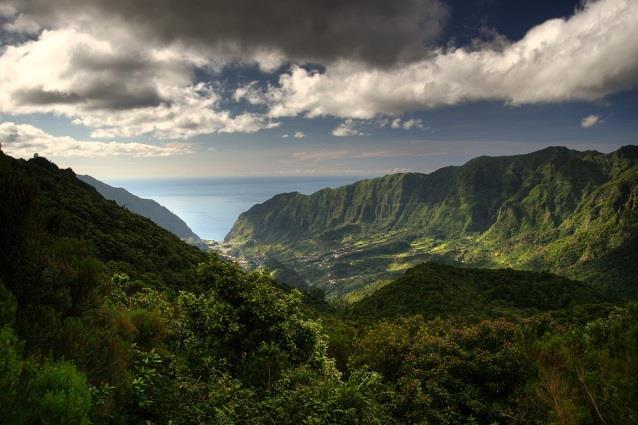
point(106, 318)
point(555, 209)
point(159, 214)
point(43, 207)
point(435, 290)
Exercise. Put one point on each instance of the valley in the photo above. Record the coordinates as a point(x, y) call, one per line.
point(105, 317)
point(555, 209)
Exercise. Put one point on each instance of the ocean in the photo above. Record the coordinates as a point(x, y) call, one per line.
point(211, 205)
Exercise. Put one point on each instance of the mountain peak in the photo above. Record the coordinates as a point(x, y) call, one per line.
point(628, 151)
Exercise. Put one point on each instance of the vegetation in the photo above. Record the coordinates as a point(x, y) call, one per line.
point(556, 209)
point(146, 208)
point(106, 318)
point(440, 291)
point(533, 372)
point(47, 214)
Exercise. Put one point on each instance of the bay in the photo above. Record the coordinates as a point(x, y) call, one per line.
point(211, 205)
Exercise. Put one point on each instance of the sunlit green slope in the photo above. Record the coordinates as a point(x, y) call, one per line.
point(555, 209)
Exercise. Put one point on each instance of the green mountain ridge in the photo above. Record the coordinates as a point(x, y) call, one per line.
point(148, 208)
point(555, 209)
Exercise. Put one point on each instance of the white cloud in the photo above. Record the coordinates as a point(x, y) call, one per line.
point(269, 124)
point(590, 121)
point(118, 90)
point(347, 128)
point(249, 92)
point(352, 127)
point(412, 123)
point(407, 124)
point(108, 78)
point(285, 136)
point(299, 135)
point(23, 140)
point(586, 57)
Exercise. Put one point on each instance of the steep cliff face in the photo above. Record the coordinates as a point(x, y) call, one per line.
point(552, 209)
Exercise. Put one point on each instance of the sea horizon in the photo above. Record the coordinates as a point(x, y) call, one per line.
point(210, 205)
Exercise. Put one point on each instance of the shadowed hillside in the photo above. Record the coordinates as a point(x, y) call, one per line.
point(435, 290)
point(43, 204)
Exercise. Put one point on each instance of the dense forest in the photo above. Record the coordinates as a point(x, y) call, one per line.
point(106, 318)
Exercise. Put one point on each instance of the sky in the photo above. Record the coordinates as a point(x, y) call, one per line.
point(185, 88)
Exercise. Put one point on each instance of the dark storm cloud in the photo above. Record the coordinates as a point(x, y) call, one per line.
point(119, 81)
point(97, 96)
point(116, 81)
point(119, 65)
point(40, 96)
point(376, 31)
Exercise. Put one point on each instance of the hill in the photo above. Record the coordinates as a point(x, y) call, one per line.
point(436, 290)
point(148, 208)
point(44, 206)
point(555, 209)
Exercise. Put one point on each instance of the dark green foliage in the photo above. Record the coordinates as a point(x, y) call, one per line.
point(61, 395)
point(534, 372)
point(59, 242)
point(55, 393)
point(435, 290)
point(7, 306)
point(285, 275)
point(11, 372)
point(43, 204)
point(240, 353)
point(303, 397)
point(443, 374)
point(245, 324)
point(587, 375)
